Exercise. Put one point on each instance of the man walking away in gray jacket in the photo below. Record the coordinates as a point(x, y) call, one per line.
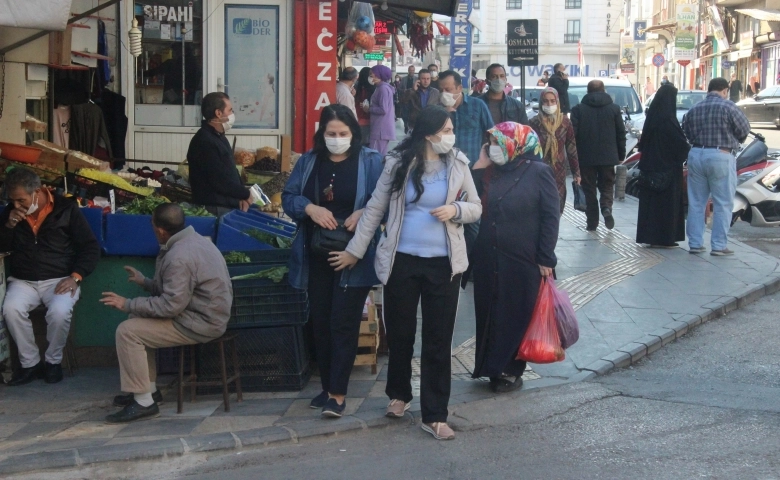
point(191, 296)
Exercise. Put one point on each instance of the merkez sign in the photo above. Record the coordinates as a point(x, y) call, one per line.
point(522, 43)
point(460, 42)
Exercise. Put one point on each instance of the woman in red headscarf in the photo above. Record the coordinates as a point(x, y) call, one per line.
point(514, 250)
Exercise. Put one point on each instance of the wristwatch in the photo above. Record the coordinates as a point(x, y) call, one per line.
point(78, 282)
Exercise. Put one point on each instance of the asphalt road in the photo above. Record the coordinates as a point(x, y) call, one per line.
point(705, 406)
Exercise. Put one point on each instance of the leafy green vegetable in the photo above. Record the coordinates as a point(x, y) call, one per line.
point(144, 206)
point(268, 238)
point(195, 210)
point(237, 257)
point(276, 274)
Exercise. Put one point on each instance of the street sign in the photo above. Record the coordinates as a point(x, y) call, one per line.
point(725, 64)
point(639, 31)
point(522, 43)
point(374, 56)
point(603, 73)
point(684, 63)
point(658, 60)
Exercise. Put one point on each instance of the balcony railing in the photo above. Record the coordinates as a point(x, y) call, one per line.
point(573, 4)
point(571, 38)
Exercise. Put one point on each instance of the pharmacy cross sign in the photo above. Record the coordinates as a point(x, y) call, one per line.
point(522, 43)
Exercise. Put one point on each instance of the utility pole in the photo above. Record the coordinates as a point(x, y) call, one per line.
point(697, 77)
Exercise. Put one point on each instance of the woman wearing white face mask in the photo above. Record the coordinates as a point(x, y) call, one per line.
point(328, 190)
point(556, 135)
point(427, 192)
point(381, 109)
point(514, 250)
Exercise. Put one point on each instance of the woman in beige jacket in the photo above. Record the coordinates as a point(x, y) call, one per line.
point(427, 193)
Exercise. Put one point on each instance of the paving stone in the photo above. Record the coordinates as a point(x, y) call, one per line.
point(313, 428)
point(652, 343)
point(198, 408)
point(619, 359)
point(583, 376)
point(679, 328)
point(750, 295)
point(263, 436)
point(57, 417)
point(276, 406)
point(35, 430)
point(90, 430)
point(132, 451)
point(59, 445)
point(207, 443)
point(359, 388)
point(38, 461)
point(772, 286)
point(636, 350)
point(161, 426)
point(215, 425)
point(665, 334)
point(691, 320)
point(600, 367)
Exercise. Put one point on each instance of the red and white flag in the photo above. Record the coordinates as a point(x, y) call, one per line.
point(581, 58)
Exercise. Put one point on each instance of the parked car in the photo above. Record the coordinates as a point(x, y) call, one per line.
point(763, 108)
point(686, 99)
point(531, 99)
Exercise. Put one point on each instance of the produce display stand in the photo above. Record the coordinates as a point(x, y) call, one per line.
point(368, 341)
point(133, 235)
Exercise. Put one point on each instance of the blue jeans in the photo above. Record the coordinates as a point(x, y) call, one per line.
point(711, 172)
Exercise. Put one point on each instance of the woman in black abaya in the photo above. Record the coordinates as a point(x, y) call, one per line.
point(661, 221)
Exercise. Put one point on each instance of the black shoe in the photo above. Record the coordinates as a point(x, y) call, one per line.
point(23, 376)
point(320, 400)
point(53, 373)
point(125, 400)
point(609, 221)
point(332, 408)
point(134, 412)
point(504, 385)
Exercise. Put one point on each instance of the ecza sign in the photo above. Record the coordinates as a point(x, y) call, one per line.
point(320, 62)
point(247, 26)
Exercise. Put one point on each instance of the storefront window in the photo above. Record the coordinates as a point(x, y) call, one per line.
point(169, 77)
point(252, 64)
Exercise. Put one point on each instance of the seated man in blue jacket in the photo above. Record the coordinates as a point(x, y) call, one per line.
point(503, 108)
point(52, 250)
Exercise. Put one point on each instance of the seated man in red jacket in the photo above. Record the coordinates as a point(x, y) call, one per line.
point(52, 250)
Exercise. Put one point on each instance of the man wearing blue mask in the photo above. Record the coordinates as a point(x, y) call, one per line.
point(503, 108)
point(52, 250)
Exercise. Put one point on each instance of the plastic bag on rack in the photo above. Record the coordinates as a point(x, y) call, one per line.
point(565, 318)
point(541, 343)
point(361, 18)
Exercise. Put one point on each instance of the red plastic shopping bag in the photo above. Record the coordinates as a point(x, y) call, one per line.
point(541, 343)
point(565, 318)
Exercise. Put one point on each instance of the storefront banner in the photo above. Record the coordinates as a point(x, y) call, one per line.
point(745, 44)
point(685, 35)
point(460, 42)
point(717, 28)
point(321, 62)
point(628, 55)
point(252, 64)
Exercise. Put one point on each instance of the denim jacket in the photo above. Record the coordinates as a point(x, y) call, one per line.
point(295, 203)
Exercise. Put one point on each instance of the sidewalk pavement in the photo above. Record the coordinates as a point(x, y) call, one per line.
point(630, 301)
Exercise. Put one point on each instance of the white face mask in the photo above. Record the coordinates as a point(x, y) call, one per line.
point(444, 145)
point(33, 206)
point(434, 74)
point(231, 119)
point(497, 85)
point(338, 145)
point(448, 99)
point(549, 109)
point(496, 155)
point(371, 80)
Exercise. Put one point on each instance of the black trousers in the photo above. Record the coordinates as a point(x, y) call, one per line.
point(430, 281)
point(336, 313)
point(603, 178)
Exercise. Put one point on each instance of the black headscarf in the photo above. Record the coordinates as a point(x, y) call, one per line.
point(663, 141)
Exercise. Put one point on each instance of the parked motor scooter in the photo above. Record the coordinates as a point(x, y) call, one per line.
point(757, 200)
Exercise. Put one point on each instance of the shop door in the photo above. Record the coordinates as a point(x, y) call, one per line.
point(248, 58)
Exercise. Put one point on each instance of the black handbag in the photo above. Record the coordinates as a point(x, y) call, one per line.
point(324, 241)
point(655, 181)
point(579, 197)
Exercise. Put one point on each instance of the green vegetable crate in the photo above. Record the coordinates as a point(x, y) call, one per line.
point(261, 302)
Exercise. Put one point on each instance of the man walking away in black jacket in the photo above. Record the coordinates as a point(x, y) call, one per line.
point(215, 181)
point(560, 82)
point(601, 144)
point(52, 250)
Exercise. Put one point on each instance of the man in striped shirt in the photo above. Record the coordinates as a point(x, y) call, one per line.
point(715, 128)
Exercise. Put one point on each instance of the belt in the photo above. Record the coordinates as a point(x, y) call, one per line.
point(722, 149)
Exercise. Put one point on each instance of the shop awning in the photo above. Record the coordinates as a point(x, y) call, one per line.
point(442, 7)
point(765, 15)
point(43, 14)
point(668, 25)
